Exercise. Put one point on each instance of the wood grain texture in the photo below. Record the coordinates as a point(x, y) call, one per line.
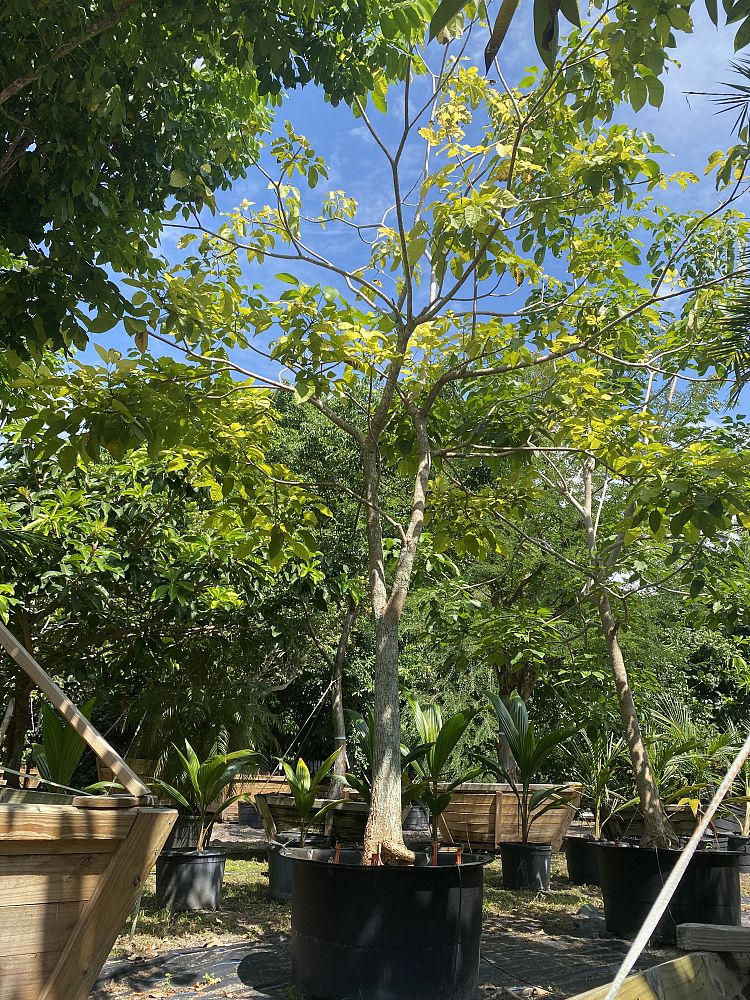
point(94, 933)
point(486, 815)
point(712, 937)
point(34, 822)
point(698, 976)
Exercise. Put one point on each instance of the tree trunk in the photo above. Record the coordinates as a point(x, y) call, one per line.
point(337, 700)
point(384, 835)
point(21, 720)
point(657, 830)
point(19, 727)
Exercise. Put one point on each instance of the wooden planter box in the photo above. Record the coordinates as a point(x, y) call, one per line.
point(142, 767)
point(264, 784)
point(485, 816)
point(629, 822)
point(344, 824)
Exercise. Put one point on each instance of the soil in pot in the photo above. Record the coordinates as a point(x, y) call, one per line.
point(190, 880)
point(632, 877)
point(526, 866)
point(582, 859)
point(386, 933)
point(281, 868)
point(740, 844)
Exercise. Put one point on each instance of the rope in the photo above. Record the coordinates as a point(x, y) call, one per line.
point(300, 731)
point(663, 899)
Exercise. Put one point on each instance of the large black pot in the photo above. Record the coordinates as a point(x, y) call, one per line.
point(190, 880)
point(632, 877)
point(736, 842)
point(387, 932)
point(526, 866)
point(582, 859)
point(248, 815)
point(281, 868)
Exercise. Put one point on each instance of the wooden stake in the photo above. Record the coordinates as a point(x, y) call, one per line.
point(77, 720)
point(434, 853)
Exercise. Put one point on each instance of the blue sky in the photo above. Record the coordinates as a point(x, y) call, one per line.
point(687, 126)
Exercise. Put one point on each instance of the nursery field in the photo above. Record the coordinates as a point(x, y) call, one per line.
point(533, 945)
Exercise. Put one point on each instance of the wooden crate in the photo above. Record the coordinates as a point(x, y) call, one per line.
point(486, 815)
point(264, 784)
point(70, 872)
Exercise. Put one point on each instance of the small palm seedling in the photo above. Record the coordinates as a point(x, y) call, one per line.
point(305, 788)
point(530, 755)
point(431, 767)
point(203, 787)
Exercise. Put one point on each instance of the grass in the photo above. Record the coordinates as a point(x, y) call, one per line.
point(245, 913)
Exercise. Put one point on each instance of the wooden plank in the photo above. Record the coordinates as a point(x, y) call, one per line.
point(73, 716)
point(44, 822)
point(498, 820)
point(698, 976)
point(713, 937)
point(59, 887)
point(93, 936)
point(53, 864)
point(23, 976)
point(83, 845)
point(39, 927)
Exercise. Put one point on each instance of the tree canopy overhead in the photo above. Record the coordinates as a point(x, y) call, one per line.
point(111, 109)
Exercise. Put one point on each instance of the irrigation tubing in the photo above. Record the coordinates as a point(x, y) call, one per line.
point(663, 899)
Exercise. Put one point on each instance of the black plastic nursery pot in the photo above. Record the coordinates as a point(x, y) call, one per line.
point(582, 859)
point(632, 877)
point(386, 932)
point(417, 819)
point(281, 868)
point(190, 880)
point(740, 844)
point(184, 834)
point(526, 866)
point(248, 815)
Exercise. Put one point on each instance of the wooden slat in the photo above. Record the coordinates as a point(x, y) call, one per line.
point(40, 927)
point(23, 976)
point(23, 890)
point(93, 936)
point(53, 864)
point(73, 716)
point(82, 845)
point(713, 937)
point(53, 823)
point(698, 976)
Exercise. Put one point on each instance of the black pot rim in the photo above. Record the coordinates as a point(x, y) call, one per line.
point(531, 846)
point(473, 860)
point(670, 852)
point(192, 854)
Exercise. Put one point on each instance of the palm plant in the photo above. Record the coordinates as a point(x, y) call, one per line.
point(530, 756)
point(363, 734)
point(60, 751)
point(430, 761)
point(595, 764)
point(305, 788)
point(203, 786)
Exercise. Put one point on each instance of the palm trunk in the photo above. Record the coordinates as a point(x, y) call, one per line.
point(657, 831)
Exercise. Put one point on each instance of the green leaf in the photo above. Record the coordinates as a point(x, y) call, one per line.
point(546, 32)
point(447, 10)
point(655, 91)
point(569, 10)
point(742, 38)
point(288, 279)
point(713, 11)
point(638, 92)
point(178, 179)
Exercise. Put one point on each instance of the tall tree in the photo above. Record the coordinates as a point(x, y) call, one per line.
point(424, 319)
